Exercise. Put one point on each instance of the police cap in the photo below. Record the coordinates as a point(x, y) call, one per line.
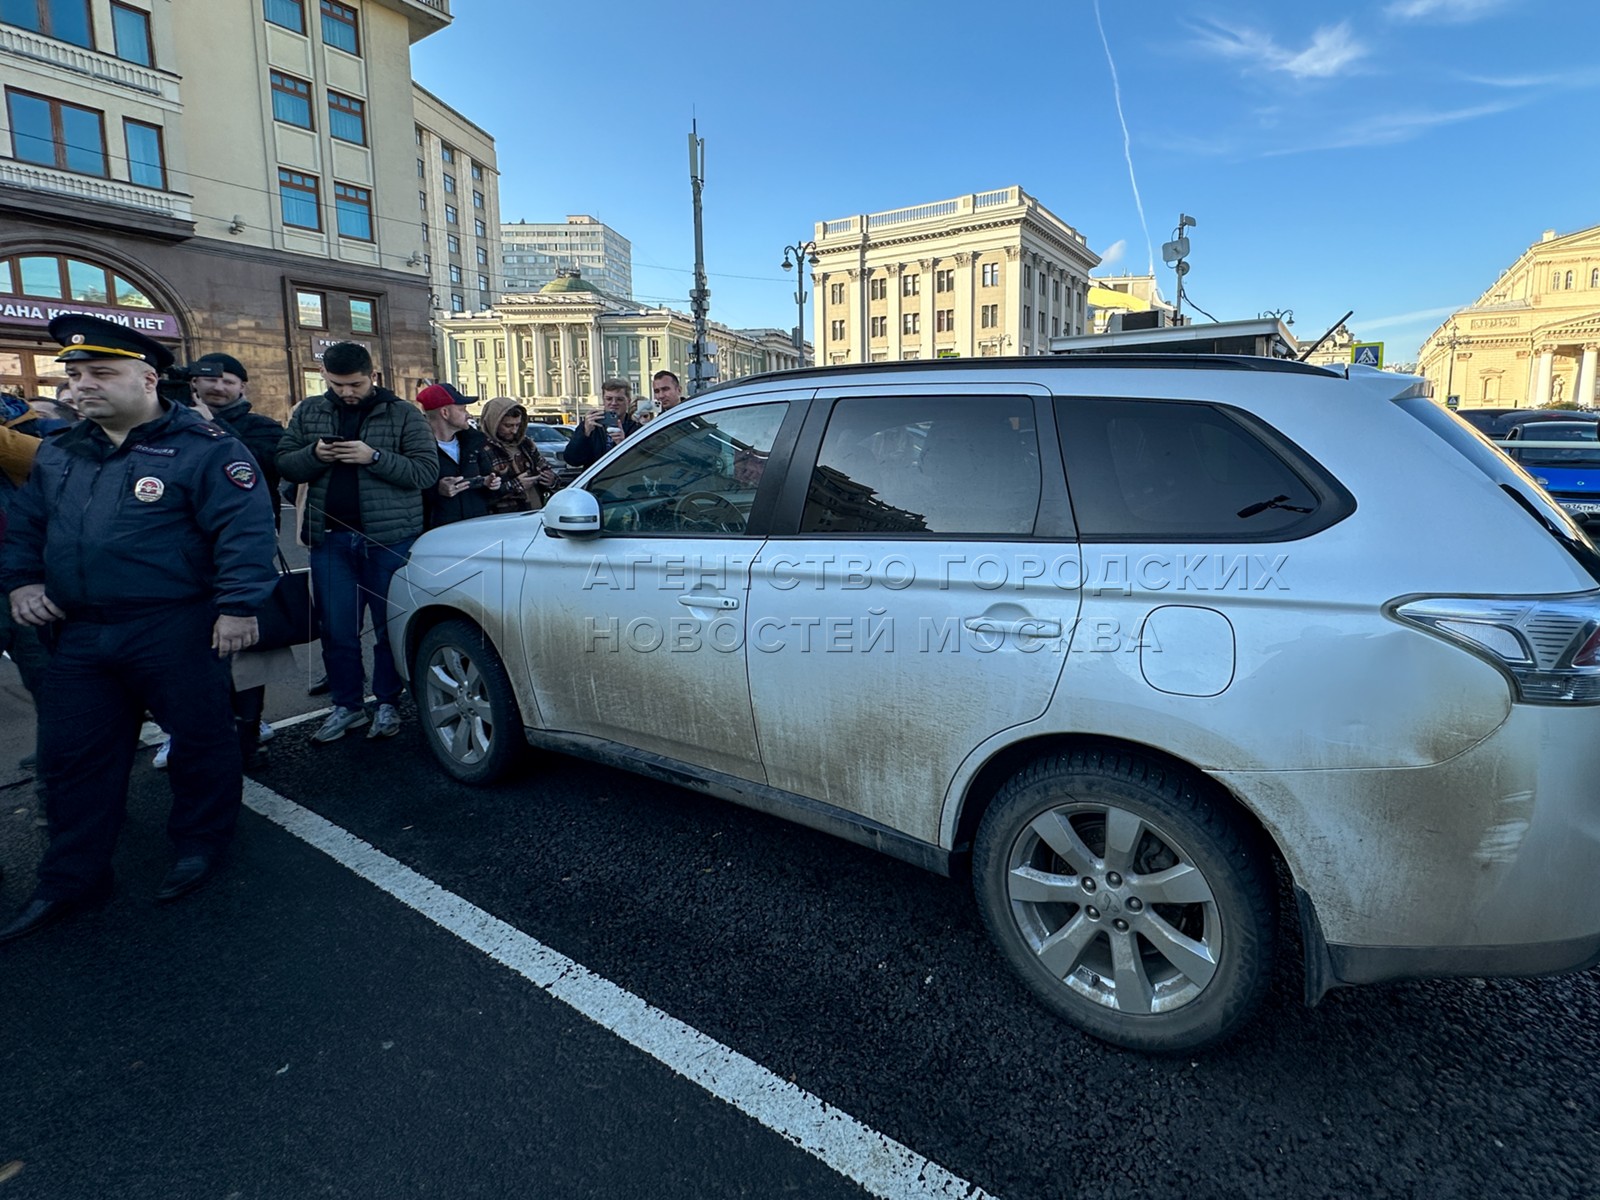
point(84, 337)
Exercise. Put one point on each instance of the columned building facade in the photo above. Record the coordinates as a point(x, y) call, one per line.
point(1533, 338)
point(988, 273)
point(260, 203)
point(552, 349)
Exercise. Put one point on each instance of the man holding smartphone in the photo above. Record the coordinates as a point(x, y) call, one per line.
point(366, 456)
point(602, 428)
point(466, 468)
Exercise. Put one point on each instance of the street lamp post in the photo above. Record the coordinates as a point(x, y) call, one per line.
point(804, 252)
point(1286, 315)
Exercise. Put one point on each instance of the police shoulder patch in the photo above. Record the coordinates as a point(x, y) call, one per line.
point(241, 474)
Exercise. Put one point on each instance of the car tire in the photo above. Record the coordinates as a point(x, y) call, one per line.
point(465, 703)
point(1162, 943)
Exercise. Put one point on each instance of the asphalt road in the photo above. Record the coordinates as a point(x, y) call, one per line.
point(294, 1031)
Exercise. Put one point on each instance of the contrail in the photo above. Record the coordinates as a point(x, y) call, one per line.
point(1127, 148)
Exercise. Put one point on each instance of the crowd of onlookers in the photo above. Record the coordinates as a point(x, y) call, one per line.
point(139, 551)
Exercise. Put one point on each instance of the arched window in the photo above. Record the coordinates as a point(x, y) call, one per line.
point(1569, 281)
point(1594, 277)
point(1555, 282)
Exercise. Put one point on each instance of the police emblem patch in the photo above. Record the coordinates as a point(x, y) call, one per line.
point(242, 474)
point(149, 489)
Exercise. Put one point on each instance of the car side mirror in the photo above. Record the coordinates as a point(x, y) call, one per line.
point(572, 512)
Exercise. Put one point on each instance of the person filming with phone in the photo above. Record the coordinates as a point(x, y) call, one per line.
point(602, 428)
point(467, 479)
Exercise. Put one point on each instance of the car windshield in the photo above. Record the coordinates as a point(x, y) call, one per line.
point(1584, 452)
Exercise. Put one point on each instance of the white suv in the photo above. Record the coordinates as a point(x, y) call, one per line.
point(1143, 642)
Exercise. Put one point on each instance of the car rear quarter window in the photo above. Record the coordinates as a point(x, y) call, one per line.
point(1167, 470)
point(946, 466)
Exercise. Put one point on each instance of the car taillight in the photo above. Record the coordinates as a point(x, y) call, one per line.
point(1548, 645)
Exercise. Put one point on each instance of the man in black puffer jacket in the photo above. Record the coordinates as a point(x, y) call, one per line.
point(218, 382)
point(367, 456)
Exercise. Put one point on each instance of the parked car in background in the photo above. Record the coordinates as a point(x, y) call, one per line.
point(1140, 644)
point(552, 442)
point(1497, 422)
point(1564, 458)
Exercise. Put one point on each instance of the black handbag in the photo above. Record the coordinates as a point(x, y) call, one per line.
point(289, 617)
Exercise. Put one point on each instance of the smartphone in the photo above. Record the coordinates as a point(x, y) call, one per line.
point(607, 419)
point(330, 441)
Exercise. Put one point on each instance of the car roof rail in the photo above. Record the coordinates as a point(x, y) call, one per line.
point(1080, 361)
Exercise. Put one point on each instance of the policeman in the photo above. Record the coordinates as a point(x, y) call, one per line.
point(142, 546)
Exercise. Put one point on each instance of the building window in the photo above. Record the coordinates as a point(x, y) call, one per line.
point(362, 316)
point(1055, 326)
point(455, 273)
point(477, 199)
point(479, 228)
point(298, 201)
point(483, 283)
point(944, 320)
point(422, 203)
point(1569, 281)
point(878, 288)
point(449, 184)
point(147, 164)
point(447, 153)
point(451, 217)
point(458, 302)
point(66, 20)
point(452, 243)
point(483, 257)
point(480, 351)
point(1041, 321)
point(310, 309)
point(1555, 282)
point(911, 285)
point(991, 274)
point(422, 169)
point(424, 233)
point(477, 171)
point(339, 27)
point(291, 100)
point(417, 130)
point(1027, 316)
point(911, 323)
point(53, 133)
point(1027, 277)
point(353, 207)
point(944, 280)
point(347, 118)
point(130, 28)
point(880, 327)
point(836, 331)
point(1594, 277)
point(989, 316)
point(287, 13)
point(836, 293)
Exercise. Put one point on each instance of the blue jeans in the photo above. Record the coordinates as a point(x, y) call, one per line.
point(350, 575)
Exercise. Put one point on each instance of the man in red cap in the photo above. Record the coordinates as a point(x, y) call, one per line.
point(467, 477)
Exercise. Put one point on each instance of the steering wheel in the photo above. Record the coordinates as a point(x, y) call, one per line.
point(707, 512)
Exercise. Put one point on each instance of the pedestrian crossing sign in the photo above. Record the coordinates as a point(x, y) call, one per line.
point(1367, 354)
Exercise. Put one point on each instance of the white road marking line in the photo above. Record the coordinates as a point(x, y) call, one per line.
point(873, 1160)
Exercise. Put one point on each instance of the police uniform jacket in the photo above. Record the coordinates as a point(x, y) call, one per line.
point(390, 489)
point(178, 514)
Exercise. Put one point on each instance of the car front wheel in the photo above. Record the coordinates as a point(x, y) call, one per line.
point(467, 708)
point(1129, 899)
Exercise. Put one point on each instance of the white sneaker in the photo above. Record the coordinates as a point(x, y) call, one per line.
point(267, 731)
point(159, 762)
point(385, 722)
point(340, 720)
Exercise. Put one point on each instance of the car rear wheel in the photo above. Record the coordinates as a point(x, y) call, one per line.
point(1129, 899)
point(468, 711)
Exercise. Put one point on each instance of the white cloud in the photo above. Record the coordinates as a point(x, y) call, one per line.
point(1113, 254)
point(1333, 48)
point(1442, 10)
point(1410, 318)
point(1388, 129)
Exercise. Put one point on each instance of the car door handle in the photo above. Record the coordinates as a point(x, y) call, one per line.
point(1023, 628)
point(692, 600)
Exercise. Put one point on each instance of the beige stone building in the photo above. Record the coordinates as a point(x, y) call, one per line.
point(222, 174)
point(552, 349)
point(458, 201)
point(1533, 338)
point(982, 274)
point(1112, 294)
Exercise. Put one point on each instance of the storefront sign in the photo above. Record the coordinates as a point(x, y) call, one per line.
point(37, 314)
point(320, 344)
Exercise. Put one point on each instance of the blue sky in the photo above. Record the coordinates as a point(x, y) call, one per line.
point(1386, 156)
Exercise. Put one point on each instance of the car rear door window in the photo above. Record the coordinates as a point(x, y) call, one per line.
point(926, 465)
point(1157, 470)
